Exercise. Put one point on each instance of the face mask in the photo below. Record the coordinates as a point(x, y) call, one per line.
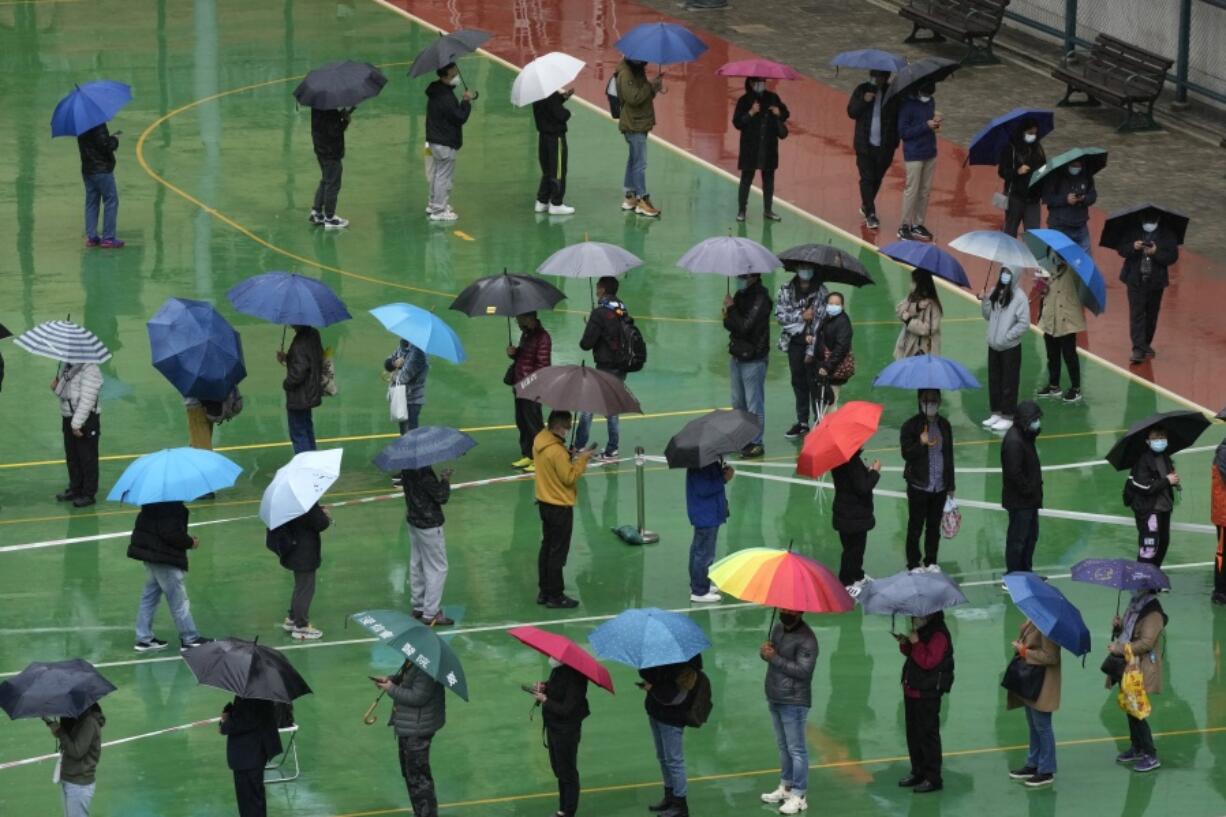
point(925, 99)
point(1074, 171)
point(918, 621)
point(930, 409)
point(554, 663)
point(1035, 425)
point(1157, 446)
point(834, 310)
point(1030, 138)
point(805, 274)
point(1149, 226)
point(741, 284)
point(758, 87)
point(454, 81)
point(1006, 277)
point(789, 619)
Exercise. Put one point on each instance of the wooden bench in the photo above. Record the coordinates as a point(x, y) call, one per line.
point(974, 22)
point(1119, 73)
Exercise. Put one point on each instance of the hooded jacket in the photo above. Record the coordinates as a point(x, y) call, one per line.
point(831, 343)
point(97, 148)
point(853, 496)
point(81, 747)
point(445, 115)
point(921, 328)
point(557, 475)
point(919, 142)
point(411, 374)
point(637, 96)
point(759, 148)
point(748, 323)
point(328, 133)
point(1148, 486)
point(862, 112)
point(1039, 651)
point(790, 306)
point(304, 363)
point(79, 387)
point(1056, 188)
point(160, 535)
point(789, 674)
point(1016, 154)
point(1061, 312)
point(915, 452)
point(298, 542)
point(565, 705)
point(706, 501)
point(424, 496)
point(535, 351)
point(419, 708)
point(602, 335)
point(551, 115)
point(1022, 476)
point(1166, 254)
point(1007, 323)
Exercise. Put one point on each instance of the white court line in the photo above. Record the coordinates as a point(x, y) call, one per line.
point(181, 727)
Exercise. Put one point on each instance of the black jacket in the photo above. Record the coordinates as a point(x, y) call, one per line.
point(833, 343)
point(565, 704)
point(934, 682)
point(862, 112)
point(298, 543)
point(853, 496)
point(760, 132)
point(1167, 253)
point(1148, 488)
point(328, 133)
point(424, 496)
point(1022, 477)
point(160, 535)
point(915, 453)
point(304, 364)
point(602, 336)
point(251, 734)
point(445, 115)
point(551, 114)
point(748, 322)
point(672, 690)
point(1016, 154)
point(1056, 188)
point(97, 148)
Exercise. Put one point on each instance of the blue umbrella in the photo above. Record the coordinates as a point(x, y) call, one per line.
point(174, 475)
point(88, 106)
point(926, 372)
point(59, 689)
point(663, 43)
point(911, 594)
point(196, 348)
point(420, 447)
point(1051, 612)
point(928, 257)
point(423, 329)
point(649, 637)
point(870, 59)
point(288, 298)
point(986, 146)
point(1091, 288)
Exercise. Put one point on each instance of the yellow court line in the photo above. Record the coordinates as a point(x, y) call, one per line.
point(463, 235)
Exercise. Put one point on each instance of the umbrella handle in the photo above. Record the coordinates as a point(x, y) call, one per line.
point(284, 329)
point(509, 343)
point(986, 278)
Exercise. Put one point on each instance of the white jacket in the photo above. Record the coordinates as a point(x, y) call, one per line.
point(79, 387)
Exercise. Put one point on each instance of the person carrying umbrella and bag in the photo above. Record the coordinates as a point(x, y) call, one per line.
point(1135, 647)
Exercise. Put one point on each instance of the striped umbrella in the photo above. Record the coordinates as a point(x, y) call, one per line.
point(64, 341)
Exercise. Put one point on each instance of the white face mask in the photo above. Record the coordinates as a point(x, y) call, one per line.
point(1149, 226)
point(454, 81)
point(1030, 138)
point(1074, 171)
point(1006, 277)
point(931, 409)
point(758, 87)
point(805, 274)
point(834, 310)
point(925, 99)
point(554, 663)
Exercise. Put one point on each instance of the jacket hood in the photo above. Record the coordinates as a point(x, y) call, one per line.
point(438, 87)
point(1027, 412)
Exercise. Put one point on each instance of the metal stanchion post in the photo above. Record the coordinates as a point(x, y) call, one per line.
point(640, 480)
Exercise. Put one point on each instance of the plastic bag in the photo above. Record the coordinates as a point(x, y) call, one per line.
point(951, 519)
point(1132, 698)
point(398, 403)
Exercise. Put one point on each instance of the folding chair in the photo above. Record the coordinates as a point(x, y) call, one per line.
point(288, 758)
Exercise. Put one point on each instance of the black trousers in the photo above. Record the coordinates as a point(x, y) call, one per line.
point(1065, 347)
point(300, 601)
point(329, 186)
point(249, 792)
point(529, 421)
point(563, 747)
point(1004, 373)
point(1219, 564)
point(1153, 542)
point(768, 189)
point(851, 566)
point(802, 382)
point(1143, 307)
point(552, 153)
point(1141, 735)
point(924, 510)
point(81, 455)
point(415, 767)
point(556, 524)
point(1023, 212)
point(923, 717)
point(873, 164)
point(1022, 536)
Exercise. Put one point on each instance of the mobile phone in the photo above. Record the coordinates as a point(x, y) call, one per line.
point(641, 684)
point(373, 678)
point(531, 690)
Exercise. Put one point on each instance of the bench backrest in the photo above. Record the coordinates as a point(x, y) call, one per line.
point(980, 10)
point(1110, 51)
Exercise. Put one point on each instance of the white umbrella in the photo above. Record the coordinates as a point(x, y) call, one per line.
point(543, 76)
point(63, 341)
point(298, 485)
point(729, 256)
point(1000, 248)
point(589, 259)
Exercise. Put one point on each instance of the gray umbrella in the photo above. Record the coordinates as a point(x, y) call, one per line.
point(589, 259)
point(341, 84)
point(911, 594)
point(832, 265)
point(729, 256)
point(578, 388)
point(447, 49)
point(708, 438)
point(926, 69)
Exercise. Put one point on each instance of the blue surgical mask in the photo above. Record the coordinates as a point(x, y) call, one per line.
point(741, 283)
point(1157, 446)
point(834, 310)
point(1006, 277)
point(1074, 171)
point(1149, 226)
point(804, 274)
point(1035, 425)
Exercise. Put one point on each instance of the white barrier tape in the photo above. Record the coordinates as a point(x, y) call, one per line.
point(12, 764)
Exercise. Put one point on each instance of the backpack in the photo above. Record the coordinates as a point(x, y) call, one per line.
point(610, 92)
point(327, 375)
point(228, 409)
point(630, 348)
point(701, 705)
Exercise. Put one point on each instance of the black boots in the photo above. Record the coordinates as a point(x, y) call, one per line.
point(679, 808)
point(665, 804)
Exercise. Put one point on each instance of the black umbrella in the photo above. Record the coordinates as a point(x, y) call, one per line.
point(246, 668)
point(447, 49)
point(341, 84)
point(59, 689)
point(1221, 415)
point(4, 332)
point(507, 295)
point(1181, 427)
point(578, 388)
point(1123, 223)
point(926, 69)
point(708, 438)
point(832, 264)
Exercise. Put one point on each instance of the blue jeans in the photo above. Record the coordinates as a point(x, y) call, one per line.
point(301, 429)
point(1042, 754)
point(702, 554)
point(636, 165)
point(77, 799)
point(100, 189)
point(748, 379)
point(414, 418)
point(1079, 234)
point(584, 426)
point(670, 751)
point(168, 581)
point(789, 723)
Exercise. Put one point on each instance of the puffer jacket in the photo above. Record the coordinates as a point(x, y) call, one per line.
point(424, 497)
point(1061, 313)
point(328, 133)
point(790, 306)
point(81, 747)
point(789, 675)
point(297, 543)
point(637, 96)
point(535, 351)
point(921, 328)
point(412, 374)
point(1008, 323)
point(748, 323)
point(854, 482)
point(672, 690)
point(160, 535)
point(832, 343)
point(418, 706)
point(79, 387)
point(304, 365)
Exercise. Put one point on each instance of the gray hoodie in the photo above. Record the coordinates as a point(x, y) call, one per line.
point(1007, 324)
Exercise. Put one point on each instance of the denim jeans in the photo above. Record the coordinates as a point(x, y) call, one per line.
point(77, 799)
point(168, 581)
point(414, 418)
point(1042, 754)
point(584, 426)
point(301, 429)
point(702, 554)
point(636, 165)
point(1079, 234)
point(670, 751)
point(789, 723)
point(100, 189)
point(748, 378)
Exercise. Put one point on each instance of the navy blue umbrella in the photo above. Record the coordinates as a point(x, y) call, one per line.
point(196, 349)
point(1051, 612)
point(926, 372)
point(928, 257)
point(420, 447)
point(59, 689)
point(1121, 574)
point(288, 298)
point(88, 106)
point(869, 59)
point(663, 43)
point(986, 146)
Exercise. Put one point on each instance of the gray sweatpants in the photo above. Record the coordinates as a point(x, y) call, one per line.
point(442, 172)
point(427, 569)
point(300, 601)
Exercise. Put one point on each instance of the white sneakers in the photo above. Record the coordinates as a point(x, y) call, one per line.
point(777, 796)
point(932, 568)
point(335, 223)
point(1003, 424)
point(307, 633)
point(444, 215)
point(790, 803)
point(539, 207)
point(854, 588)
point(710, 596)
point(561, 210)
point(991, 421)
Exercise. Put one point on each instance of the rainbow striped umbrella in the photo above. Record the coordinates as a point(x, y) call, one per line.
point(780, 578)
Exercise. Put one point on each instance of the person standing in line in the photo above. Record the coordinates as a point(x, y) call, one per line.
point(1148, 253)
point(563, 702)
point(160, 541)
point(97, 148)
point(1018, 161)
point(637, 94)
point(328, 138)
point(79, 387)
point(80, 742)
point(556, 478)
point(1037, 650)
point(1150, 493)
point(425, 494)
point(799, 307)
point(791, 657)
point(927, 442)
point(299, 547)
point(534, 352)
point(1217, 514)
point(761, 117)
point(605, 338)
point(706, 503)
point(1061, 317)
point(747, 316)
point(829, 348)
point(1141, 628)
point(303, 385)
point(1008, 315)
point(1069, 193)
point(1022, 487)
point(920, 313)
point(670, 692)
point(853, 517)
point(551, 115)
point(918, 125)
point(250, 727)
point(419, 711)
point(445, 118)
point(409, 368)
point(875, 139)
point(927, 675)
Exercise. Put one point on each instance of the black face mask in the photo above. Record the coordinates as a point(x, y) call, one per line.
point(789, 620)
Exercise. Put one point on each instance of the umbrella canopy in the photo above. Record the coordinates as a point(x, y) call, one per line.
point(928, 257)
point(1092, 159)
point(663, 43)
point(831, 265)
point(987, 145)
point(1123, 223)
point(1091, 288)
point(57, 689)
point(926, 372)
point(174, 475)
point(1182, 429)
point(507, 295)
point(561, 648)
point(1121, 574)
point(997, 247)
point(589, 259)
point(288, 298)
point(869, 59)
point(910, 594)
point(419, 644)
point(648, 637)
point(447, 49)
point(88, 106)
point(340, 84)
point(246, 668)
point(543, 76)
point(423, 446)
point(781, 578)
point(298, 485)
point(578, 388)
point(708, 438)
point(729, 256)
point(4, 332)
point(925, 69)
point(758, 67)
point(423, 329)
point(63, 341)
point(1051, 612)
point(838, 437)
point(196, 349)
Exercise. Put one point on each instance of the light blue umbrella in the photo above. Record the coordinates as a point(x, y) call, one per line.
point(174, 475)
point(926, 372)
point(869, 59)
point(649, 637)
point(421, 447)
point(423, 329)
point(88, 106)
point(1091, 288)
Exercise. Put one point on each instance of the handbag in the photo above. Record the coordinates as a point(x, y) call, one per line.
point(1113, 667)
point(1024, 680)
point(846, 369)
point(1133, 698)
point(508, 377)
point(782, 130)
point(951, 519)
point(398, 402)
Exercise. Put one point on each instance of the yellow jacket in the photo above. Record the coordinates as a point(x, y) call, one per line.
point(556, 474)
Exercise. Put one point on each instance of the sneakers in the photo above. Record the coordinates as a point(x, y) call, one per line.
point(709, 597)
point(397, 481)
point(1138, 357)
point(1072, 396)
point(932, 568)
point(288, 624)
point(740, 215)
point(561, 210)
point(1024, 773)
point(1218, 598)
point(854, 589)
point(418, 614)
point(920, 233)
point(540, 206)
point(65, 495)
point(82, 501)
point(991, 421)
point(871, 222)
point(646, 208)
point(777, 796)
point(1050, 390)
point(335, 223)
point(753, 451)
point(522, 462)
point(797, 430)
point(904, 232)
point(1147, 763)
point(1040, 780)
point(1003, 424)
point(927, 787)
point(794, 804)
point(562, 602)
point(316, 217)
point(530, 468)
point(110, 244)
point(1130, 755)
point(184, 646)
point(92, 242)
point(149, 645)
point(438, 620)
point(630, 202)
point(771, 215)
point(307, 633)
point(444, 215)
point(607, 456)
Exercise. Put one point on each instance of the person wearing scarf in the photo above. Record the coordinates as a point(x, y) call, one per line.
point(1217, 512)
point(1141, 626)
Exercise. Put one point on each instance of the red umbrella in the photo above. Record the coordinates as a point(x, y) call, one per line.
point(766, 69)
point(561, 648)
point(838, 437)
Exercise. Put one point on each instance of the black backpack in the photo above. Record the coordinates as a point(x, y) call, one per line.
point(610, 92)
point(630, 348)
point(699, 711)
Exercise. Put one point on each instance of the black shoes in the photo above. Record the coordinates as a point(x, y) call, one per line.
point(65, 495)
point(771, 215)
point(1024, 773)
point(663, 804)
point(920, 233)
point(540, 598)
point(1040, 780)
point(753, 451)
point(184, 646)
point(910, 781)
point(926, 787)
point(797, 430)
point(562, 602)
point(1050, 390)
point(740, 215)
point(82, 501)
point(904, 232)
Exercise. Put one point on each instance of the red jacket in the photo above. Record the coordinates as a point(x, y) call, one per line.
point(925, 653)
point(534, 352)
point(1217, 498)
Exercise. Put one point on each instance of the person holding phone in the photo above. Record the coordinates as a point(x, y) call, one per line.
point(250, 727)
point(419, 711)
point(1069, 192)
point(557, 487)
point(1148, 250)
point(563, 702)
point(425, 494)
point(927, 442)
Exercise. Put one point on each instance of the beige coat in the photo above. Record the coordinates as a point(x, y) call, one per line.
point(1145, 637)
point(1040, 651)
point(921, 328)
point(1062, 313)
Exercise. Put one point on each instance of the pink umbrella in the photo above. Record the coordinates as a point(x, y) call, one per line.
point(561, 648)
point(758, 68)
